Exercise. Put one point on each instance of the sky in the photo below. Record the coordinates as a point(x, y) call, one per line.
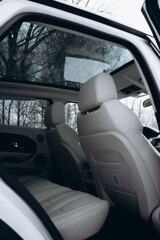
point(125, 11)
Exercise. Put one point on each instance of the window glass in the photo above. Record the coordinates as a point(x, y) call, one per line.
point(71, 112)
point(41, 55)
point(145, 114)
point(26, 113)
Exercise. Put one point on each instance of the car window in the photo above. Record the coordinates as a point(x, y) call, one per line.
point(37, 54)
point(25, 113)
point(145, 114)
point(71, 112)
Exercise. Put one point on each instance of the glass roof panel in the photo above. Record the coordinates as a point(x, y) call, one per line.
point(33, 53)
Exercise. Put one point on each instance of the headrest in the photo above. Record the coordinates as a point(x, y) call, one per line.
point(95, 91)
point(54, 115)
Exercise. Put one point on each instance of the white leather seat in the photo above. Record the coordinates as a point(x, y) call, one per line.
point(65, 147)
point(126, 167)
point(76, 215)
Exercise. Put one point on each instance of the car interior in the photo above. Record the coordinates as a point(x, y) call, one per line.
point(71, 131)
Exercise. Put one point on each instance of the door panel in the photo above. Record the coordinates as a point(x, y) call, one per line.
point(24, 150)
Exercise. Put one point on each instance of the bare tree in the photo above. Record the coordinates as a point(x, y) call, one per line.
point(17, 50)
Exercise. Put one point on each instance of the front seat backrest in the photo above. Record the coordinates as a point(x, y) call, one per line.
point(125, 166)
point(65, 147)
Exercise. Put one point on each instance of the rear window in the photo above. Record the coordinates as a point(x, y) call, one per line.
point(24, 113)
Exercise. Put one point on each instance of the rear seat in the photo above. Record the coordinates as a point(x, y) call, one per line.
point(77, 215)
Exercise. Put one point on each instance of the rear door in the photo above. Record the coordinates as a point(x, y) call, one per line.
point(23, 146)
point(151, 11)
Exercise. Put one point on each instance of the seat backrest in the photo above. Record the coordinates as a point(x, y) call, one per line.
point(65, 147)
point(125, 165)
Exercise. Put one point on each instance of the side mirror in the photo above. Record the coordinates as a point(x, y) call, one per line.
point(147, 103)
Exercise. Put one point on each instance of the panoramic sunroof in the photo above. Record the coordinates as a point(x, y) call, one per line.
point(33, 53)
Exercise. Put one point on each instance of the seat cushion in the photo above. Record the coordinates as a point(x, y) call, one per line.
point(76, 215)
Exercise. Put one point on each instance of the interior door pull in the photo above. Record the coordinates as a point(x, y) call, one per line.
point(15, 144)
